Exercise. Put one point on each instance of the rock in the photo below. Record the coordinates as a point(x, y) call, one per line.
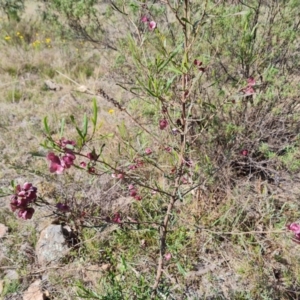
point(34, 292)
point(52, 85)
point(51, 245)
point(3, 230)
point(81, 88)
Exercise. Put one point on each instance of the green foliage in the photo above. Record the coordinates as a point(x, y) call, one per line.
point(10, 287)
point(81, 18)
point(14, 95)
point(12, 8)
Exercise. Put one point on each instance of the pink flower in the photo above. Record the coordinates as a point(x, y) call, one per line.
point(168, 256)
point(244, 152)
point(198, 63)
point(152, 25)
point(26, 213)
point(148, 151)
point(248, 91)
point(251, 81)
point(132, 167)
point(188, 162)
point(295, 227)
point(55, 163)
point(17, 203)
point(117, 218)
point(168, 149)
point(91, 170)
point(66, 144)
point(68, 159)
point(184, 180)
point(138, 197)
point(27, 193)
point(118, 175)
point(133, 193)
point(144, 19)
point(83, 164)
point(92, 155)
point(22, 198)
point(139, 163)
point(163, 124)
point(27, 186)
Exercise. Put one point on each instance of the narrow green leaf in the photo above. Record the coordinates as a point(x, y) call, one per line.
point(37, 154)
point(175, 70)
point(123, 131)
point(117, 9)
point(169, 82)
point(13, 184)
point(85, 126)
point(173, 54)
point(150, 92)
point(95, 113)
point(186, 20)
point(164, 64)
point(184, 60)
point(179, 195)
point(181, 269)
point(76, 127)
point(101, 150)
point(124, 264)
point(213, 107)
point(46, 126)
point(109, 135)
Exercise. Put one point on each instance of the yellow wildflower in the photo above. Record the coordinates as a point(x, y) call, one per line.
point(48, 40)
point(111, 111)
point(7, 38)
point(36, 43)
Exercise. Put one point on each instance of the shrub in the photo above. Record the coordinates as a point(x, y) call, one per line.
point(205, 113)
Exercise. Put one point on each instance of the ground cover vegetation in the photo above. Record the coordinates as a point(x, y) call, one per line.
point(169, 144)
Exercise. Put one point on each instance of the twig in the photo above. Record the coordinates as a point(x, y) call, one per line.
point(68, 78)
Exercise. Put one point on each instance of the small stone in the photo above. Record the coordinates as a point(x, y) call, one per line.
point(34, 292)
point(51, 245)
point(81, 88)
point(52, 85)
